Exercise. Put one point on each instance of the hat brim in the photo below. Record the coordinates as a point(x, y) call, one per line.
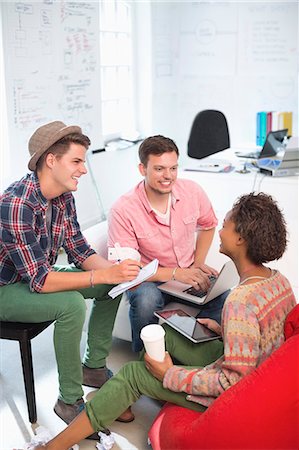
point(56, 137)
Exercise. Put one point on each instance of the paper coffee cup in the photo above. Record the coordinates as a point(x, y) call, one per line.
point(153, 339)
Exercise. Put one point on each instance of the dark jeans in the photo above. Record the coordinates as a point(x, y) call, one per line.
point(213, 309)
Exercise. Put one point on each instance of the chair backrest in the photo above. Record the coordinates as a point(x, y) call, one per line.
point(96, 236)
point(209, 134)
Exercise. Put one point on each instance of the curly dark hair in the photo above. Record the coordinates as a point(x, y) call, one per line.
point(260, 222)
point(156, 145)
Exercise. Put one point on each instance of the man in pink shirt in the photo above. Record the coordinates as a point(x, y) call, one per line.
point(160, 218)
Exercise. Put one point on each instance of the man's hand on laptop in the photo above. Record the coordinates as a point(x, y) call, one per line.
point(196, 277)
point(204, 268)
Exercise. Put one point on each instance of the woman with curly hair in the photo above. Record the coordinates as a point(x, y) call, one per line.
point(253, 233)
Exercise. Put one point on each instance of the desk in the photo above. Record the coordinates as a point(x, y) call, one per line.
point(224, 188)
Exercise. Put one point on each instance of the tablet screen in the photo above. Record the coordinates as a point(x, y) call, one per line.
point(186, 325)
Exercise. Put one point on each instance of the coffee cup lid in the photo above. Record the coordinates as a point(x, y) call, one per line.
point(152, 332)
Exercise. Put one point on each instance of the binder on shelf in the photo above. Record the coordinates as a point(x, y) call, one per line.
point(263, 127)
point(285, 121)
point(280, 119)
point(275, 126)
point(258, 128)
point(269, 121)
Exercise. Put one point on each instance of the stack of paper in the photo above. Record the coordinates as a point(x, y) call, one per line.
point(146, 272)
point(209, 165)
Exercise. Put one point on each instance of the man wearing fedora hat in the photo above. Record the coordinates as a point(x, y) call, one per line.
point(37, 218)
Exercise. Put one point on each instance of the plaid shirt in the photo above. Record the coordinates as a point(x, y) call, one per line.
point(27, 252)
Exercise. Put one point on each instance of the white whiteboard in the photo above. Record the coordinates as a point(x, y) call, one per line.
point(238, 57)
point(51, 52)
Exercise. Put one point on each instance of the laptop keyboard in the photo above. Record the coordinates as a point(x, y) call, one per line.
point(250, 155)
point(198, 293)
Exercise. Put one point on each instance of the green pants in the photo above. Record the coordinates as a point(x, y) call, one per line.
point(134, 380)
point(68, 309)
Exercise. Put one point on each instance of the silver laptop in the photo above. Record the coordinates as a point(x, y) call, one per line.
point(228, 278)
point(286, 162)
point(275, 141)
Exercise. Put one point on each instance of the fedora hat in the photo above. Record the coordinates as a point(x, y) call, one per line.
point(45, 136)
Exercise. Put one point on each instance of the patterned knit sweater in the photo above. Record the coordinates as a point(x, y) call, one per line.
point(253, 318)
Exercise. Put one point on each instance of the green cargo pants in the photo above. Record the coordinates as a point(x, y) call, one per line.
point(68, 309)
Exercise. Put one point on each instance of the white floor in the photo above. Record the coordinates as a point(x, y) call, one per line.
point(15, 429)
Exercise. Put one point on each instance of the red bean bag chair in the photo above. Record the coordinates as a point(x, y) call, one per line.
point(260, 412)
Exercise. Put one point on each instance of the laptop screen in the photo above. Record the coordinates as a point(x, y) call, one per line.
point(274, 142)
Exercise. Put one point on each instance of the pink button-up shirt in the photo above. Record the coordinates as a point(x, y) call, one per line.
point(133, 223)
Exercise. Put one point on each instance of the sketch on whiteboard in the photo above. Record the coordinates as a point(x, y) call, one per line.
point(268, 33)
point(205, 31)
point(50, 47)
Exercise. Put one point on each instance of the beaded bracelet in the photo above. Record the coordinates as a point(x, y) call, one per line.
point(92, 278)
point(173, 273)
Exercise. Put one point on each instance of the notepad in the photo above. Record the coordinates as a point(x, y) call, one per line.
point(146, 272)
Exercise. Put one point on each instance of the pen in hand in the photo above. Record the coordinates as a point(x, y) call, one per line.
point(117, 248)
point(118, 261)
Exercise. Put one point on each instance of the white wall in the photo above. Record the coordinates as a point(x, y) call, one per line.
point(239, 57)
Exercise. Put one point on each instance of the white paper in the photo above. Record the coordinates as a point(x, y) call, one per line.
point(107, 441)
point(146, 272)
point(42, 436)
point(209, 165)
point(118, 253)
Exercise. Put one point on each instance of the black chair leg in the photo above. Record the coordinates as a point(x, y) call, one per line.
point(26, 355)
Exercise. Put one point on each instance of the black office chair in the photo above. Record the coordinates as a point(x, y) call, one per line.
point(209, 134)
point(24, 332)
